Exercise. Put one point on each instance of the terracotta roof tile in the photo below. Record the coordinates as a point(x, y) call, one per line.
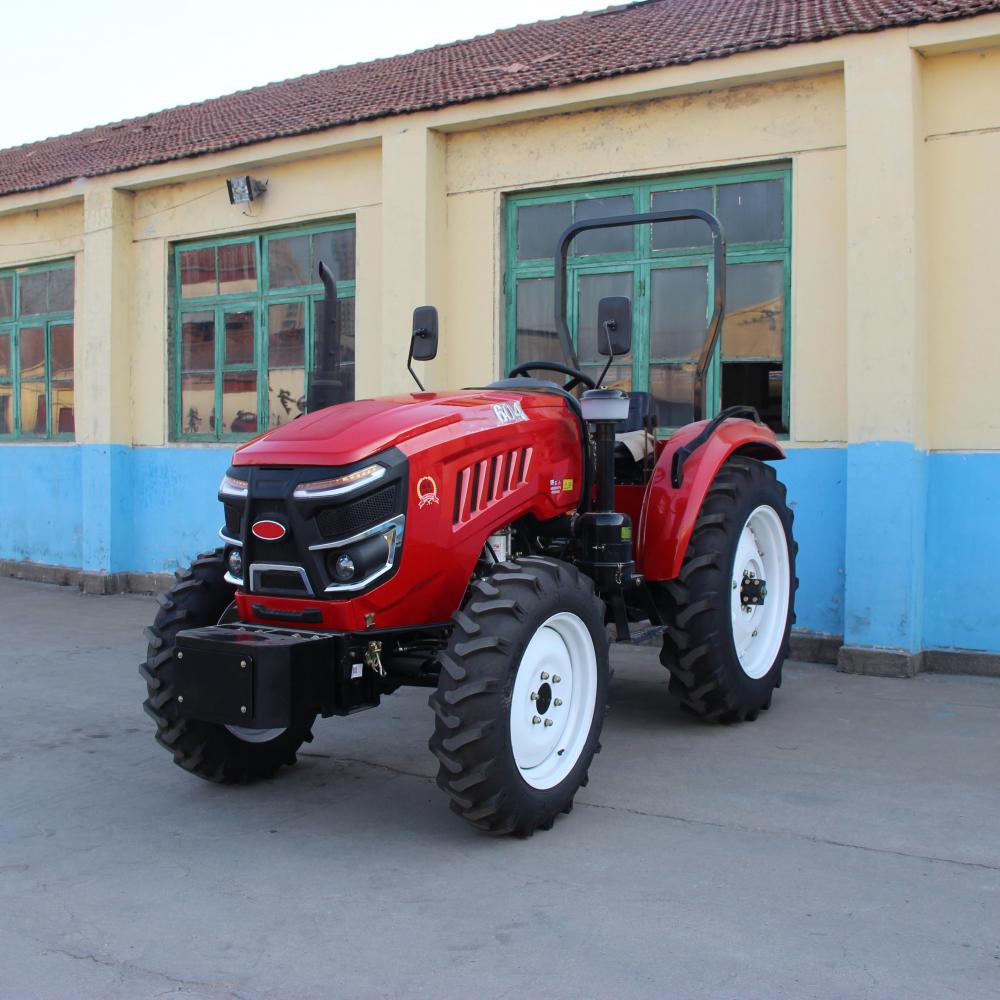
point(626, 39)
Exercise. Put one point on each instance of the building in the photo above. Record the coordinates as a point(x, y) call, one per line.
point(851, 150)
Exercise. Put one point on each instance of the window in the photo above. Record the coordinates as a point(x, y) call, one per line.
point(244, 315)
point(36, 352)
point(666, 270)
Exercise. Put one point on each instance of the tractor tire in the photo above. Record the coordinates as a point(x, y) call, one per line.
point(225, 754)
point(521, 696)
point(725, 655)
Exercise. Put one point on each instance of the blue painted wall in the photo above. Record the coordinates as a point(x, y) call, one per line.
point(897, 548)
point(41, 513)
point(961, 588)
point(817, 494)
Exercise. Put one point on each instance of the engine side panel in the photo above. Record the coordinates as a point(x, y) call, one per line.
point(669, 514)
point(467, 479)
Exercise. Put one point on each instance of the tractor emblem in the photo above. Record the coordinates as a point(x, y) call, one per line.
point(427, 492)
point(268, 531)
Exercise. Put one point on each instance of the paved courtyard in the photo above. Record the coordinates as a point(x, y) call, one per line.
point(845, 845)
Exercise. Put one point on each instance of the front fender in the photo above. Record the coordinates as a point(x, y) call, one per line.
point(669, 513)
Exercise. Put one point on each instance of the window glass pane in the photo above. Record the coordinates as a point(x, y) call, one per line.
point(5, 354)
point(345, 328)
point(756, 384)
point(288, 262)
point(618, 240)
point(62, 406)
point(286, 395)
point(677, 312)
point(6, 409)
point(7, 296)
point(536, 328)
point(752, 212)
point(681, 235)
point(593, 288)
point(34, 293)
point(198, 403)
point(198, 341)
point(672, 389)
point(61, 290)
point(336, 250)
point(33, 408)
point(754, 326)
point(239, 338)
point(538, 228)
point(286, 335)
point(197, 272)
point(32, 352)
point(237, 268)
point(61, 350)
point(239, 403)
point(618, 377)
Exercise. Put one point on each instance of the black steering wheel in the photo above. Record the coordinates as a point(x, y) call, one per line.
point(576, 377)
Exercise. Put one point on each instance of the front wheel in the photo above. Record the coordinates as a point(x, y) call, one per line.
point(521, 696)
point(731, 608)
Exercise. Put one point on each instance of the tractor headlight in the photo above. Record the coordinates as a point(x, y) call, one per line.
point(234, 561)
point(356, 562)
point(340, 484)
point(233, 487)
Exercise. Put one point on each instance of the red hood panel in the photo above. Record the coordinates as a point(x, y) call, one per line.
point(350, 432)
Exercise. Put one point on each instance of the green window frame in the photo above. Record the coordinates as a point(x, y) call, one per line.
point(242, 320)
point(653, 261)
point(36, 352)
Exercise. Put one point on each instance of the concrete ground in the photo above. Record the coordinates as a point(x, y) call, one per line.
point(845, 845)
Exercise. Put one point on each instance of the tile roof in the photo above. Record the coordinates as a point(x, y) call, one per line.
point(629, 38)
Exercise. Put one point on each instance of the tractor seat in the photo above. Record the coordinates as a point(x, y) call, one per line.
point(632, 442)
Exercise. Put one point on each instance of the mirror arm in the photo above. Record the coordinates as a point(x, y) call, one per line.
point(609, 325)
point(409, 359)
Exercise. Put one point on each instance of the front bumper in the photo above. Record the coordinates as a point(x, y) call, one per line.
point(262, 677)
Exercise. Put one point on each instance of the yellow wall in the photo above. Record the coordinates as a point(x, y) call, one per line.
point(893, 139)
point(962, 121)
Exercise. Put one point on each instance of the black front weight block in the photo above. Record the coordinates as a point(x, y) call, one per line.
point(255, 676)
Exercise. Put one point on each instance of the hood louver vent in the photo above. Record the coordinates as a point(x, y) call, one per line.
point(482, 484)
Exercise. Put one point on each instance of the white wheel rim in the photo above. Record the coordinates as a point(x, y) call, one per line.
point(549, 731)
point(245, 733)
point(761, 554)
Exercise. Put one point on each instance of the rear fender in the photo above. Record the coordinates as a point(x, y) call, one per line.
point(669, 513)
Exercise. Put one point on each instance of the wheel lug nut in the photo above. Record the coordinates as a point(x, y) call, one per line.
point(548, 722)
point(535, 720)
point(556, 679)
point(753, 633)
point(545, 676)
point(534, 696)
point(557, 702)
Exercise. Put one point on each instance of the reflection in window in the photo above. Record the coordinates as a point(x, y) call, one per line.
point(752, 212)
point(197, 269)
point(237, 268)
point(593, 288)
point(36, 351)
point(678, 307)
point(242, 355)
point(538, 229)
point(619, 239)
point(536, 327)
point(687, 233)
point(754, 326)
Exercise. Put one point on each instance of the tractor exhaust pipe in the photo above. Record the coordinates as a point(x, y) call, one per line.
point(327, 385)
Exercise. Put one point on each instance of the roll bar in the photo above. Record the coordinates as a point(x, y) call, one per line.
point(643, 219)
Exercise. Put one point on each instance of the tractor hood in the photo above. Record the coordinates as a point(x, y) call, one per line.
point(350, 432)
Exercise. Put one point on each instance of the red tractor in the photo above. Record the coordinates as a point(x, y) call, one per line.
point(487, 543)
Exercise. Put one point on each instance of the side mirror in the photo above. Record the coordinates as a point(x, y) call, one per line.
point(424, 343)
point(614, 326)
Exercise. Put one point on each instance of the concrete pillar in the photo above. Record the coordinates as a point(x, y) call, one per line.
point(414, 218)
point(102, 357)
point(886, 362)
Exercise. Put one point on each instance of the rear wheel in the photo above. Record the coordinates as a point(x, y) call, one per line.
point(731, 608)
point(521, 696)
point(225, 754)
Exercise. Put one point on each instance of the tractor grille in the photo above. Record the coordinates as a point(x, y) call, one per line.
point(351, 518)
point(282, 551)
point(482, 484)
point(234, 519)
